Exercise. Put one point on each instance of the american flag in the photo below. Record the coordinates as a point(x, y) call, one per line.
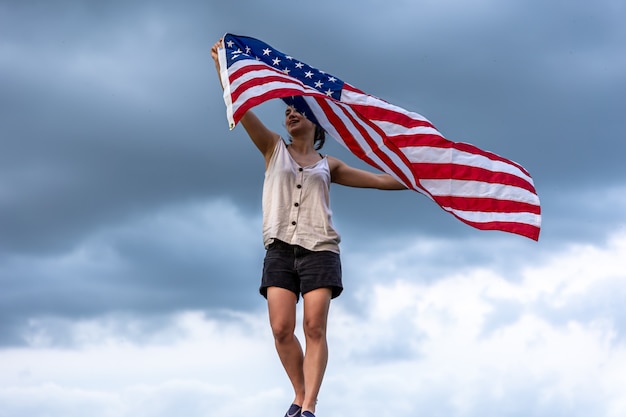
point(480, 188)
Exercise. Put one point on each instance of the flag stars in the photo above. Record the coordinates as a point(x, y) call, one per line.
point(289, 66)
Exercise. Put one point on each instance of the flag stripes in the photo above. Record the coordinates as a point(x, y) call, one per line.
point(480, 188)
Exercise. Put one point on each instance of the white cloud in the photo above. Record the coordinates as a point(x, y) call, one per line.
point(416, 348)
point(451, 365)
point(198, 366)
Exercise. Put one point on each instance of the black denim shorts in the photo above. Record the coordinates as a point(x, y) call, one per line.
point(300, 270)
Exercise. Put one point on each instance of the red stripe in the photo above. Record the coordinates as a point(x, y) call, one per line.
point(388, 115)
point(522, 229)
point(243, 70)
point(256, 100)
point(487, 205)
point(422, 139)
point(434, 171)
point(254, 82)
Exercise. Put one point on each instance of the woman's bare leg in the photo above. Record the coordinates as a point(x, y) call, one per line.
point(316, 307)
point(281, 305)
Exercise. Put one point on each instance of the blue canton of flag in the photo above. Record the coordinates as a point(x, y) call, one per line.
point(243, 47)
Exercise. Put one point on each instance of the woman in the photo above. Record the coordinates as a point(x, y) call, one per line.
point(302, 246)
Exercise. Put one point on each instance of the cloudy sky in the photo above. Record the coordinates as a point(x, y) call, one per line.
point(130, 222)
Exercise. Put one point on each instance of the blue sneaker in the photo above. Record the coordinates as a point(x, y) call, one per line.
point(294, 411)
point(307, 414)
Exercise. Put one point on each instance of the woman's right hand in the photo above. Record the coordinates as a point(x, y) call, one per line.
point(214, 49)
point(215, 56)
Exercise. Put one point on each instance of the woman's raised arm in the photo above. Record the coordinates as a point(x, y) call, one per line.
point(263, 138)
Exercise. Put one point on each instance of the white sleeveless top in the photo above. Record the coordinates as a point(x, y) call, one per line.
point(296, 203)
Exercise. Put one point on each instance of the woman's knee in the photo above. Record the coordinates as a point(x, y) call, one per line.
point(316, 306)
point(314, 329)
point(282, 312)
point(283, 330)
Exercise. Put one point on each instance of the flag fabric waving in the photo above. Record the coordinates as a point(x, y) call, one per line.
point(480, 188)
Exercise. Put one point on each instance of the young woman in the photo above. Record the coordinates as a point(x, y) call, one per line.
point(302, 245)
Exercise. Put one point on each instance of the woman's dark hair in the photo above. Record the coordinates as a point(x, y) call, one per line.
point(320, 137)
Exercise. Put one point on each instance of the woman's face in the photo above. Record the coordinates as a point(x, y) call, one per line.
point(296, 122)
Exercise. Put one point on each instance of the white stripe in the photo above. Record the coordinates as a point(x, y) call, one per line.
point(259, 90)
point(486, 217)
point(394, 129)
point(478, 189)
point(430, 154)
point(260, 74)
point(221, 54)
point(352, 97)
point(274, 85)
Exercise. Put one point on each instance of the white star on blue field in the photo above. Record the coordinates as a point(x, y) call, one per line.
point(310, 76)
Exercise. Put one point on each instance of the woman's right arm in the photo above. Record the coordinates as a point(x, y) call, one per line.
point(263, 138)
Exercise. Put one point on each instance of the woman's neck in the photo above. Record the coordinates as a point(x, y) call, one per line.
point(302, 145)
